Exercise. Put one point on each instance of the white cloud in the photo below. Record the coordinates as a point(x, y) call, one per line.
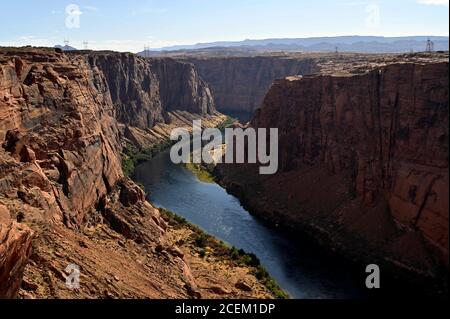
point(356, 3)
point(91, 8)
point(28, 40)
point(434, 2)
point(123, 45)
point(135, 13)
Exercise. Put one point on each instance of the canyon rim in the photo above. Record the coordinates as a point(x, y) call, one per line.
point(224, 177)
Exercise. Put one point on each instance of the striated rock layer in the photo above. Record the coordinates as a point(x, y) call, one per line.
point(144, 90)
point(62, 125)
point(363, 164)
point(15, 248)
point(239, 84)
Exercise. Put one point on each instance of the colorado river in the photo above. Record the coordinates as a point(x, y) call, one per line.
point(301, 269)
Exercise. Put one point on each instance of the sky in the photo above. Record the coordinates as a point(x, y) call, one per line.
point(132, 25)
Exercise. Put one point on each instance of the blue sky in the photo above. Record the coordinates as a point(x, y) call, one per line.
point(130, 25)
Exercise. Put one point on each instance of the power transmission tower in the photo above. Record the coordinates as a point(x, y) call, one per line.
point(66, 42)
point(146, 51)
point(86, 45)
point(430, 46)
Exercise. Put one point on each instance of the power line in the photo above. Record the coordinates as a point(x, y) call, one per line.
point(146, 51)
point(430, 46)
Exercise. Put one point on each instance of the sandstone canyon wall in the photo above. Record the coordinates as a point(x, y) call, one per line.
point(143, 90)
point(63, 197)
point(60, 144)
point(363, 164)
point(239, 84)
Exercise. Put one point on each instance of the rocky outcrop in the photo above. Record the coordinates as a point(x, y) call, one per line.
point(182, 88)
point(143, 91)
point(61, 149)
point(160, 133)
point(239, 84)
point(62, 126)
point(15, 248)
point(363, 164)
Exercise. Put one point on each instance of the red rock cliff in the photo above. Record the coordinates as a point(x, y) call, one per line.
point(62, 188)
point(144, 90)
point(57, 124)
point(363, 163)
point(60, 149)
point(240, 84)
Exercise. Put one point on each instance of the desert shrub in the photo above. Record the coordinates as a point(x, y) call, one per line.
point(134, 156)
point(201, 240)
point(172, 218)
point(263, 276)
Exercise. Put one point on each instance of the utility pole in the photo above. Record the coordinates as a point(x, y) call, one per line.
point(430, 46)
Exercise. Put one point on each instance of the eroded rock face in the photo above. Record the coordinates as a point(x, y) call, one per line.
point(240, 84)
point(15, 248)
point(63, 120)
point(388, 128)
point(133, 86)
point(143, 91)
point(363, 163)
point(181, 87)
point(60, 149)
point(60, 138)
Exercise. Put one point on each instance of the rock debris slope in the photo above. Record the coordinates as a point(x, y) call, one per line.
point(239, 84)
point(363, 162)
point(63, 197)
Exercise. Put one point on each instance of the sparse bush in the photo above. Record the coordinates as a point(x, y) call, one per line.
point(134, 157)
point(142, 186)
point(229, 121)
point(20, 217)
point(235, 256)
point(201, 240)
point(263, 276)
point(172, 218)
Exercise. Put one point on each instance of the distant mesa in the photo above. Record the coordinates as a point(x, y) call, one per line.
point(65, 48)
point(361, 44)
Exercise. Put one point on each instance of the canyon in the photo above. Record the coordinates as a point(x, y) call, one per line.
point(64, 122)
point(239, 84)
point(363, 163)
point(363, 166)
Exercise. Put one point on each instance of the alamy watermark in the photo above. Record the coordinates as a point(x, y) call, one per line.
point(373, 279)
point(73, 16)
point(373, 18)
point(240, 146)
point(73, 278)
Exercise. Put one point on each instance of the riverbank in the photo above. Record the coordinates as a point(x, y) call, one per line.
point(209, 249)
point(303, 270)
point(274, 212)
point(270, 209)
point(142, 145)
point(240, 274)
